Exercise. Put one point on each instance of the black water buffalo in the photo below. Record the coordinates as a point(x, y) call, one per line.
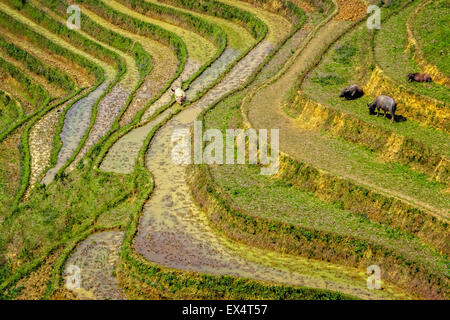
point(385, 103)
point(419, 77)
point(351, 93)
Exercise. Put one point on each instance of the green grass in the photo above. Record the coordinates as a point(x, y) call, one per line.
point(390, 52)
point(34, 65)
point(56, 214)
point(10, 110)
point(433, 34)
point(248, 191)
point(350, 71)
point(237, 36)
point(9, 171)
point(61, 214)
point(278, 26)
point(278, 201)
point(40, 40)
point(32, 91)
point(41, 18)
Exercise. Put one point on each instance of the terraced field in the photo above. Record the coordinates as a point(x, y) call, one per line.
point(90, 189)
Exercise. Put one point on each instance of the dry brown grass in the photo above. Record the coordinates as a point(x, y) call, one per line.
point(350, 10)
point(304, 5)
point(35, 284)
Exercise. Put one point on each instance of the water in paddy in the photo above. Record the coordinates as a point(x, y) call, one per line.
point(75, 125)
point(175, 233)
point(211, 74)
point(96, 259)
point(190, 68)
point(122, 156)
point(107, 111)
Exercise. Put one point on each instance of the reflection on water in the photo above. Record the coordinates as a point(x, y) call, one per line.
point(122, 156)
point(75, 125)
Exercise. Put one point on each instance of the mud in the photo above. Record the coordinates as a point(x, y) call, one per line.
point(97, 258)
point(190, 68)
point(122, 155)
point(41, 142)
point(75, 126)
point(108, 110)
point(175, 233)
point(164, 65)
point(212, 73)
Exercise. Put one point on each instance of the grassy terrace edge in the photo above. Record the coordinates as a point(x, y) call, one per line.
point(152, 30)
point(88, 226)
point(144, 279)
point(418, 52)
point(235, 223)
point(409, 151)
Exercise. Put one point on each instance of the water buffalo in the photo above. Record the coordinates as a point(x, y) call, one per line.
point(385, 103)
point(419, 77)
point(351, 93)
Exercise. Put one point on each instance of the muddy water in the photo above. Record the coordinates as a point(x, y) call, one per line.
point(173, 231)
point(164, 66)
point(190, 68)
point(163, 70)
point(41, 142)
point(77, 119)
point(108, 109)
point(96, 258)
point(75, 125)
point(110, 106)
point(211, 74)
point(122, 156)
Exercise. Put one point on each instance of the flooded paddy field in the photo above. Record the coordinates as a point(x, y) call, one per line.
point(175, 233)
point(125, 220)
point(75, 125)
point(41, 141)
point(96, 260)
point(123, 154)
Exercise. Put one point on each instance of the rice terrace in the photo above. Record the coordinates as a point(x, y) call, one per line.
point(224, 149)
